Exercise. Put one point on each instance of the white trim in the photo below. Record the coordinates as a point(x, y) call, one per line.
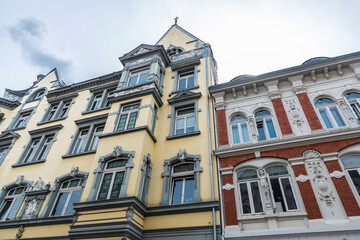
point(337, 174)
point(302, 178)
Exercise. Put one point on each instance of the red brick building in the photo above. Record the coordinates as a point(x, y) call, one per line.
point(288, 151)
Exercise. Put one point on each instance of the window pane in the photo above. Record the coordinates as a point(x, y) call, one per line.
point(185, 111)
point(115, 192)
point(189, 191)
point(182, 84)
point(177, 190)
point(59, 206)
point(122, 122)
point(262, 113)
point(14, 208)
point(290, 198)
point(279, 200)
point(132, 120)
point(351, 161)
point(79, 145)
point(5, 209)
point(237, 118)
point(355, 177)
point(190, 82)
point(105, 186)
point(276, 170)
point(270, 127)
point(246, 174)
point(132, 81)
point(235, 133)
point(180, 126)
point(74, 183)
point(115, 164)
point(143, 78)
point(335, 112)
point(245, 132)
point(325, 118)
point(95, 143)
point(184, 168)
point(75, 197)
point(190, 124)
point(245, 201)
point(256, 197)
point(323, 102)
point(260, 128)
point(351, 96)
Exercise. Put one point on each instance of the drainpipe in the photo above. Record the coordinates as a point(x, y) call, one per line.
point(209, 136)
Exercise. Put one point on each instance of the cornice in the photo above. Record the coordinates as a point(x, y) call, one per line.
point(5, 103)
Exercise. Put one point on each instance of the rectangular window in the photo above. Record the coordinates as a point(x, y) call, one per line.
point(185, 120)
point(138, 77)
point(99, 100)
point(88, 139)
point(38, 149)
point(250, 197)
point(96, 102)
point(57, 111)
point(128, 116)
point(22, 120)
point(112, 180)
point(186, 79)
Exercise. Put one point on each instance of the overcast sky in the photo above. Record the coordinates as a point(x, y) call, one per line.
point(83, 39)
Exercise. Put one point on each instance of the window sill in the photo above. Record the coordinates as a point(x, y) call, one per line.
point(275, 215)
point(78, 154)
point(183, 135)
point(177, 91)
point(54, 120)
point(25, 164)
point(96, 110)
point(16, 129)
point(146, 128)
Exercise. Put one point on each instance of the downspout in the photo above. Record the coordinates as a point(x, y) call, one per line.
point(209, 136)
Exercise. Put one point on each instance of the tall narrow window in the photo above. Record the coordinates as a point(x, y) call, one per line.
point(69, 193)
point(329, 113)
point(353, 99)
point(80, 144)
point(96, 102)
point(239, 129)
point(249, 191)
point(95, 138)
point(183, 183)
point(352, 165)
point(38, 149)
point(138, 76)
point(52, 112)
point(265, 125)
point(11, 203)
point(112, 179)
point(184, 120)
point(128, 116)
point(186, 79)
point(22, 120)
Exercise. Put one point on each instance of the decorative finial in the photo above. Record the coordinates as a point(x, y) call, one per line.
point(176, 18)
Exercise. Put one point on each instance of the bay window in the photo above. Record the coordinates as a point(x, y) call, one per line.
point(138, 76)
point(128, 116)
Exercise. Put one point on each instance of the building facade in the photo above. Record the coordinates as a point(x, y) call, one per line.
point(288, 149)
point(127, 155)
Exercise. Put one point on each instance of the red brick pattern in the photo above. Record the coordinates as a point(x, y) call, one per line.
point(222, 127)
point(229, 202)
point(307, 194)
point(281, 116)
point(309, 111)
point(343, 188)
point(232, 161)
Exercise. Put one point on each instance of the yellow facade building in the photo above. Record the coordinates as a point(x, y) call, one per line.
point(126, 155)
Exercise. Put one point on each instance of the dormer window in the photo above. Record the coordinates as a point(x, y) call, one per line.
point(174, 50)
point(138, 76)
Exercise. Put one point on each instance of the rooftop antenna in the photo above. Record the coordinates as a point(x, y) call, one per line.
point(176, 18)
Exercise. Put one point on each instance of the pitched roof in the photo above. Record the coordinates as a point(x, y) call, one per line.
point(179, 28)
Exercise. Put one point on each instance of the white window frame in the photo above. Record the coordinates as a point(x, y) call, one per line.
point(252, 208)
point(328, 113)
point(71, 190)
point(349, 179)
point(184, 75)
point(356, 103)
point(185, 116)
point(128, 114)
point(266, 130)
point(113, 171)
point(238, 123)
point(13, 197)
point(137, 73)
point(183, 176)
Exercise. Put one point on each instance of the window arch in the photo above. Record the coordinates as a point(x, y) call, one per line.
point(239, 129)
point(265, 125)
point(37, 95)
point(172, 50)
point(351, 164)
point(353, 99)
point(329, 113)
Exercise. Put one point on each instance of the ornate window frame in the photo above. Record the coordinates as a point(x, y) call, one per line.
point(329, 114)
point(73, 174)
point(181, 157)
point(35, 95)
point(272, 117)
point(239, 125)
point(118, 153)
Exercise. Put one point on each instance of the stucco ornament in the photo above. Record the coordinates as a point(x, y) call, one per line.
point(294, 113)
point(19, 233)
point(30, 209)
point(117, 150)
point(19, 179)
point(322, 184)
point(252, 128)
point(264, 183)
point(345, 109)
point(134, 89)
point(141, 50)
point(302, 178)
point(181, 154)
point(40, 185)
point(311, 154)
point(130, 213)
point(228, 187)
point(186, 55)
point(141, 60)
point(74, 170)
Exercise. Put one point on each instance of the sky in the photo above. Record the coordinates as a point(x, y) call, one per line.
point(83, 39)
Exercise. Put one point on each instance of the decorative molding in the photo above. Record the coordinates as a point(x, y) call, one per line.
point(302, 178)
point(187, 55)
point(228, 187)
point(141, 50)
point(294, 112)
point(337, 174)
point(40, 185)
point(226, 170)
point(313, 75)
point(299, 89)
point(311, 154)
point(347, 112)
point(326, 72)
point(339, 70)
point(255, 88)
point(141, 60)
point(356, 69)
point(252, 128)
point(275, 94)
point(244, 90)
point(220, 106)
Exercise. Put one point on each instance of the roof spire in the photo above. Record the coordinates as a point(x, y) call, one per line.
point(176, 18)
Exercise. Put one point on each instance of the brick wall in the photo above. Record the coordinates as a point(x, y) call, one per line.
point(343, 188)
point(229, 202)
point(281, 116)
point(307, 194)
point(309, 111)
point(222, 127)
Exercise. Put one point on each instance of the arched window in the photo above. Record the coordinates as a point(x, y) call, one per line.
point(68, 194)
point(265, 125)
point(353, 99)
point(329, 113)
point(183, 183)
point(37, 95)
point(239, 129)
point(174, 50)
point(352, 166)
point(11, 203)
